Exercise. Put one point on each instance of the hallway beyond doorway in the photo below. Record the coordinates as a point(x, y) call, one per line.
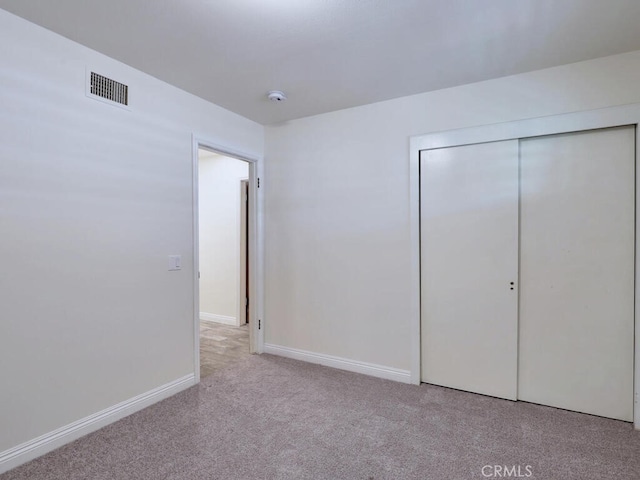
point(221, 346)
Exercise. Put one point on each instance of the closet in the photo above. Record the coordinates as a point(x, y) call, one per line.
point(527, 269)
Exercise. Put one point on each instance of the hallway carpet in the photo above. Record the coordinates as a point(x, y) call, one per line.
point(274, 418)
point(221, 346)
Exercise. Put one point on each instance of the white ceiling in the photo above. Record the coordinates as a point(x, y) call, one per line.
point(332, 54)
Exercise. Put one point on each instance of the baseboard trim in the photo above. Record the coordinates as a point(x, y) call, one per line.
point(37, 447)
point(371, 369)
point(212, 317)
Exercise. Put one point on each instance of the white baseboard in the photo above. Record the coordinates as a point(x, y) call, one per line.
point(371, 369)
point(212, 317)
point(50, 441)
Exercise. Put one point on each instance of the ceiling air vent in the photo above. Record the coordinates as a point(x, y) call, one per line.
point(104, 88)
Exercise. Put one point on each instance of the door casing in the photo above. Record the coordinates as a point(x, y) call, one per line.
point(255, 238)
point(244, 292)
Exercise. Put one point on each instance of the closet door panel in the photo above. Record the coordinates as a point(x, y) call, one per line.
point(469, 252)
point(577, 271)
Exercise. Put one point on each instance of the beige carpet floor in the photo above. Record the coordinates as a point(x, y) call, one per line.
point(274, 418)
point(221, 346)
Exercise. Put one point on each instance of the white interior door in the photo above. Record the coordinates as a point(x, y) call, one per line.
point(469, 254)
point(577, 271)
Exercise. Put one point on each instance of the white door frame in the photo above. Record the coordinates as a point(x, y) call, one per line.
point(256, 249)
point(565, 123)
point(242, 258)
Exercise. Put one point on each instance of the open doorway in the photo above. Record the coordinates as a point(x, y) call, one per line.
point(224, 263)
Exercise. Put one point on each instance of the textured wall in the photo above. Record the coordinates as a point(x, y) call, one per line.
point(93, 198)
point(337, 202)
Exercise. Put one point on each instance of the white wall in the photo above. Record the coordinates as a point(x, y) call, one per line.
point(93, 199)
point(219, 225)
point(337, 203)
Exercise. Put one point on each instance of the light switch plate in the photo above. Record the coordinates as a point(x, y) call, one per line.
point(175, 262)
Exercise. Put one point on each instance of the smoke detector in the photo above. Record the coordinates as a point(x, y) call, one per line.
point(276, 96)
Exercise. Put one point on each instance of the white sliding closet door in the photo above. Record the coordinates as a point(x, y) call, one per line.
point(469, 255)
point(577, 271)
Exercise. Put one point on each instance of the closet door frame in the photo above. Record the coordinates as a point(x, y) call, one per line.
point(556, 124)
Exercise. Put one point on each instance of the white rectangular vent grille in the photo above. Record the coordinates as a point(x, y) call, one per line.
point(108, 89)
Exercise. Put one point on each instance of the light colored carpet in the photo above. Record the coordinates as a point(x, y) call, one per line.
point(274, 418)
point(221, 346)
